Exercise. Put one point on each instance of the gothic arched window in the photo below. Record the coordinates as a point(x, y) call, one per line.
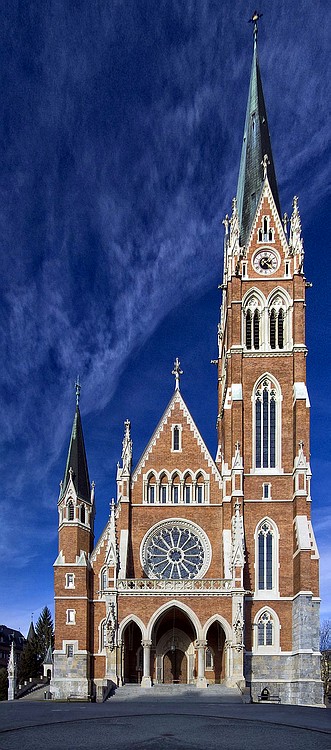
point(151, 490)
point(104, 579)
point(82, 513)
point(276, 329)
point(256, 330)
point(266, 544)
point(175, 490)
point(248, 325)
point(265, 630)
point(267, 427)
point(71, 511)
point(253, 319)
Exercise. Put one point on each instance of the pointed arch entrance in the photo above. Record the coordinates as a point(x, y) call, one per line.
point(217, 635)
point(174, 635)
point(132, 653)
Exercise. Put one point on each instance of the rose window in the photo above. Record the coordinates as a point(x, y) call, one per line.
point(175, 551)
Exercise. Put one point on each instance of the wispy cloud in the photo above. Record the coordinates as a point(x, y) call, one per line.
point(121, 142)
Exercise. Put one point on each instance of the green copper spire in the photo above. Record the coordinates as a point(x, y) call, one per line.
point(76, 461)
point(256, 144)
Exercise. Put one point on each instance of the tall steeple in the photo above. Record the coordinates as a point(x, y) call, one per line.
point(76, 462)
point(256, 144)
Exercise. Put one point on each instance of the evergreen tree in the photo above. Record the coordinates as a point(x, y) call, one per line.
point(28, 665)
point(44, 634)
point(35, 649)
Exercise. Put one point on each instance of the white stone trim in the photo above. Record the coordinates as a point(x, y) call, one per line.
point(222, 622)
point(300, 392)
point(132, 618)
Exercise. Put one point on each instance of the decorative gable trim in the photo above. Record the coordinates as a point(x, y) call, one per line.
point(266, 192)
point(176, 398)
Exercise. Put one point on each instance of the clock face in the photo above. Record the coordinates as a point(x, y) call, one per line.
point(266, 261)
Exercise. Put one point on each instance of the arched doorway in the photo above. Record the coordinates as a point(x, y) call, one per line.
point(175, 659)
point(215, 662)
point(133, 657)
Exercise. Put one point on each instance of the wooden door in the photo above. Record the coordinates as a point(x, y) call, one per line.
point(175, 667)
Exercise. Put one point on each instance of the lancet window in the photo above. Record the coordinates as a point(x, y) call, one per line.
point(266, 233)
point(253, 321)
point(266, 544)
point(267, 425)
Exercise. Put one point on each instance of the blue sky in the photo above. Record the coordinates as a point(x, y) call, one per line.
point(121, 130)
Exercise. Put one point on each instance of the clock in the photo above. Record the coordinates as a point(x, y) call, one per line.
point(266, 261)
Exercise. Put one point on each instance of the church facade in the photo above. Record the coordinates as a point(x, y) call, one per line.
point(207, 569)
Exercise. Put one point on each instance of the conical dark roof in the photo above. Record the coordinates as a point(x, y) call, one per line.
point(77, 461)
point(31, 633)
point(256, 144)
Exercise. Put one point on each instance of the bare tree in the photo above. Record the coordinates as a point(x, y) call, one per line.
point(325, 646)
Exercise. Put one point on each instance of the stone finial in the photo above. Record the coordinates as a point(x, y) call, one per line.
point(78, 390)
point(127, 447)
point(264, 164)
point(177, 372)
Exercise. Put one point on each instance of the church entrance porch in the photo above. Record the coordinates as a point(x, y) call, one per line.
point(174, 658)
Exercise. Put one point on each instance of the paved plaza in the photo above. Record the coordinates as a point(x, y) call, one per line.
point(177, 718)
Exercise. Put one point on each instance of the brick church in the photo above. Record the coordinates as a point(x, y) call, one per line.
point(207, 569)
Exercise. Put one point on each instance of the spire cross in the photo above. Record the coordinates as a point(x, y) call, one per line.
point(177, 372)
point(264, 163)
point(255, 19)
point(78, 389)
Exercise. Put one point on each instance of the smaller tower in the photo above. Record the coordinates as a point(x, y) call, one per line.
point(72, 570)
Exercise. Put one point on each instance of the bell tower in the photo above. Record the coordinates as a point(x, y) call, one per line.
point(72, 570)
point(263, 407)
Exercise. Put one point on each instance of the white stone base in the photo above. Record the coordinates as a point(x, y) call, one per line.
point(146, 682)
point(202, 682)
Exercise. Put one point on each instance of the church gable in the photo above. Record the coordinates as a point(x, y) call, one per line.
point(176, 446)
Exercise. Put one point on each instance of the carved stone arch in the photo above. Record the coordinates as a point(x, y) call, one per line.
point(203, 473)
point(254, 293)
point(188, 473)
point(267, 376)
point(195, 622)
point(164, 473)
point(223, 623)
point(175, 473)
point(281, 292)
point(126, 621)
